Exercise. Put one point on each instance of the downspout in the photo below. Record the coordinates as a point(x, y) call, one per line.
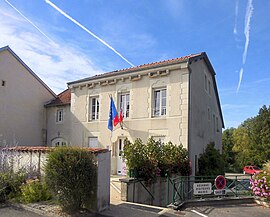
point(189, 128)
point(189, 113)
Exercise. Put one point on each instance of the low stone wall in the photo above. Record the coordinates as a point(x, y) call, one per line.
point(33, 160)
point(157, 194)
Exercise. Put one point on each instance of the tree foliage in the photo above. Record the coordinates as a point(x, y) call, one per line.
point(251, 141)
point(155, 159)
point(211, 162)
point(227, 149)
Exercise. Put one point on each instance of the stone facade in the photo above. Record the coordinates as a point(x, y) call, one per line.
point(174, 100)
point(187, 112)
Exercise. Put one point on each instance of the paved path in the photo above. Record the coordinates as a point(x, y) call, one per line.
point(10, 211)
point(120, 208)
point(244, 210)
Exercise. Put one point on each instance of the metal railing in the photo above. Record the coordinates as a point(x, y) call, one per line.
point(180, 189)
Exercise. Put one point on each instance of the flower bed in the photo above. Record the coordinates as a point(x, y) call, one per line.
point(260, 186)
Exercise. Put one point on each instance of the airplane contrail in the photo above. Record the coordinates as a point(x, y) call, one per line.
point(249, 12)
point(236, 16)
point(87, 30)
point(240, 78)
point(30, 21)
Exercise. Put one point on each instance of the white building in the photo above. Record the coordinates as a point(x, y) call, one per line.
point(22, 98)
point(58, 120)
point(174, 100)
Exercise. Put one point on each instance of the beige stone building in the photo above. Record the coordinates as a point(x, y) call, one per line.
point(58, 120)
point(175, 100)
point(22, 98)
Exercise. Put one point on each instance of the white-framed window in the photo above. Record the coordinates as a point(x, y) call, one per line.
point(159, 104)
point(59, 115)
point(217, 124)
point(58, 142)
point(205, 82)
point(209, 87)
point(124, 104)
point(93, 108)
point(214, 123)
point(92, 142)
point(159, 138)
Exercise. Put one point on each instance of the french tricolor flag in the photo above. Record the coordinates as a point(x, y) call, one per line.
point(113, 116)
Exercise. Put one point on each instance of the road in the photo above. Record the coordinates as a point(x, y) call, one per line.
point(244, 210)
point(10, 211)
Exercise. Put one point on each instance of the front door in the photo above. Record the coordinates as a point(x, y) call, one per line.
point(121, 165)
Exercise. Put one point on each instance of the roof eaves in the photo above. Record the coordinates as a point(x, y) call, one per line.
point(56, 104)
point(130, 70)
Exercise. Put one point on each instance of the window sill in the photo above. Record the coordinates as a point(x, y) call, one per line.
point(159, 116)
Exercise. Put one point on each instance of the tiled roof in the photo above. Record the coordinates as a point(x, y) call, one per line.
point(160, 63)
point(47, 149)
point(61, 99)
point(143, 66)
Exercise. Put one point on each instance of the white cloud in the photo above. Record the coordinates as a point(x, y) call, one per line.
point(240, 78)
point(54, 63)
point(249, 12)
point(236, 17)
point(233, 106)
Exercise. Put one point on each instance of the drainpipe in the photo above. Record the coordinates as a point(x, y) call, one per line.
point(189, 112)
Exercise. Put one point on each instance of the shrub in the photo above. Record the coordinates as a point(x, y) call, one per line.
point(71, 175)
point(147, 161)
point(260, 184)
point(211, 162)
point(34, 191)
point(10, 183)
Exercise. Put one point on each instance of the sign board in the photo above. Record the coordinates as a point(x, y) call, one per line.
point(220, 182)
point(202, 188)
point(220, 192)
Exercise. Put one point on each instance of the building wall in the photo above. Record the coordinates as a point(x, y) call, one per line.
point(58, 130)
point(140, 124)
point(204, 111)
point(22, 115)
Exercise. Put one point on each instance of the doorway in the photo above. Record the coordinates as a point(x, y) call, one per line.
point(121, 165)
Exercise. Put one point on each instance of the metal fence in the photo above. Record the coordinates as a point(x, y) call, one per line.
point(180, 189)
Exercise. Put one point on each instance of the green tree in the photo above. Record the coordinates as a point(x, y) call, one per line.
point(211, 162)
point(227, 149)
point(252, 139)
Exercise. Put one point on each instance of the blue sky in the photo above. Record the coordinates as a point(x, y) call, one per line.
point(234, 33)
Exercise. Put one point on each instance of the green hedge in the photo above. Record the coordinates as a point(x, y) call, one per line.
point(153, 159)
point(71, 175)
